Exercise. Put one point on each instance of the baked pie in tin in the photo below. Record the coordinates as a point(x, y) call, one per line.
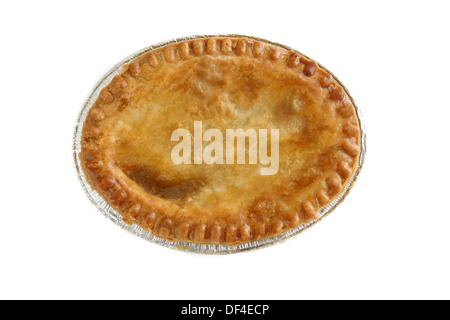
point(217, 84)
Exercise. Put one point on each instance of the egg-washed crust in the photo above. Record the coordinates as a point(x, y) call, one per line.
point(226, 82)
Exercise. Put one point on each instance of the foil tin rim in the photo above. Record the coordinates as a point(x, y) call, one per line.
point(113, 215)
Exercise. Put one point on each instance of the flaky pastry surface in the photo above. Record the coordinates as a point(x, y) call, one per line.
point(226, 83)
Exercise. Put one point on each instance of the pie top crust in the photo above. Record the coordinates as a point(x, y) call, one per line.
point(225, 82)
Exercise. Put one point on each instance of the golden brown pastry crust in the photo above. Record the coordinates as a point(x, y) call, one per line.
point(226, 83)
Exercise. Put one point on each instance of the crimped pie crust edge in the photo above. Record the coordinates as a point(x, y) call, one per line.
point(235, 235)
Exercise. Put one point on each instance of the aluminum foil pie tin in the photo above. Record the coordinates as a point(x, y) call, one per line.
point(113, 215)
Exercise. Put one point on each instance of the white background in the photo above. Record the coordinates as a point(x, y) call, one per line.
point(388, 240)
